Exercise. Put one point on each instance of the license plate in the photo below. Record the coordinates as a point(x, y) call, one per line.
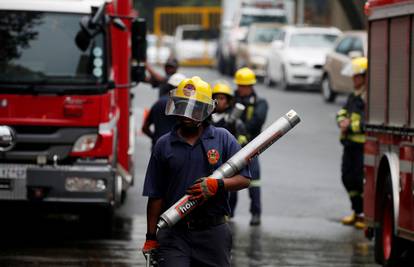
point(13, 171)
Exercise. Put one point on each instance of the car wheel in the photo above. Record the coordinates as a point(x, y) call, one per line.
point(326, 90)
point(388, 248)
point(267, 80)
point(283, 84)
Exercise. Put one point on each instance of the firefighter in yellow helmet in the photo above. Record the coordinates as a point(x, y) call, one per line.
point(181, 163)
point(253, 118)
point(351, 123)
point(227, 115)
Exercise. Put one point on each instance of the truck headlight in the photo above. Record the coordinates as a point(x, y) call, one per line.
point(85, 143)
point(82, 184)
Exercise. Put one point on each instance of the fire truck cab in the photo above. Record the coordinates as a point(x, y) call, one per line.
point(65, 75)
point(389, 150)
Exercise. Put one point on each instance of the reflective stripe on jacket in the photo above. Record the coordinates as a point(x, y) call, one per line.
point(353, 110)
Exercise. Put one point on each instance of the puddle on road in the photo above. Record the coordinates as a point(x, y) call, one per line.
point(57, 242)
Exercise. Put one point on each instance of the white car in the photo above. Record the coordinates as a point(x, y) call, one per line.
point(297, 56)
point(194, 45)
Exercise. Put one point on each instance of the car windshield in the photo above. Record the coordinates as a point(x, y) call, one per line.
point(247, 20)
point(264, 35)
point(312, 40)
point(40, 48)
point(199, 34)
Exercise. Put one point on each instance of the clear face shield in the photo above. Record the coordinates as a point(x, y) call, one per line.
point(196, 106)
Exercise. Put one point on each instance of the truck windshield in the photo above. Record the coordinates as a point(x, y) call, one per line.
point(248, 19)
point(39, 48)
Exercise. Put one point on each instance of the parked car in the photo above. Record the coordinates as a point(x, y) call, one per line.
point(194, 45)
point(349, 45)
point(158, 48)
point(297, 56)
point(254, 48)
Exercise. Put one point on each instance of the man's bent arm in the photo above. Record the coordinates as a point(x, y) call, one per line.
point(154, 210)
point(235, 183)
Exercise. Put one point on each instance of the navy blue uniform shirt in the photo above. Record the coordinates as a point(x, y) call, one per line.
point(175, 165)
point(162, 123)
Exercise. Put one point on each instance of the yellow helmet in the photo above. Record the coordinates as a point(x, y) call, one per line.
point(357, 66)
point(222, 87)
point(244, 76)
point(192, 99)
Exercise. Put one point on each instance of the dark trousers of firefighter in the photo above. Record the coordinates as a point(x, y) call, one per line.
point(210, 247)
point(353, 174)
point(254, 191)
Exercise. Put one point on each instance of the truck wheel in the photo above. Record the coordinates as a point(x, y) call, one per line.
point(388, 247)
point(326, 90)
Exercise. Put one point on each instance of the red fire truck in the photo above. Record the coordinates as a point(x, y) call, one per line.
point(66, 69)
point(389, 150)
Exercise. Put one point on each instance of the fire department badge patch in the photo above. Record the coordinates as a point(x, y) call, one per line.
point(213, 156)
point(189, 90)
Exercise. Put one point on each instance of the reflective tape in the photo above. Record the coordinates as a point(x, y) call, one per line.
point(369, 160)
point(406, 166)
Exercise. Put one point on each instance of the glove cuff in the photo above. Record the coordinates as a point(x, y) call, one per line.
point(220, 183)
point(150, 236)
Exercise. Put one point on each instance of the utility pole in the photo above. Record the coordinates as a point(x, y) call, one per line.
point(300, 11)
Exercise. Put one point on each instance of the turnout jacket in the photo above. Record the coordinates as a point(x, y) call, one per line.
point(354, 109)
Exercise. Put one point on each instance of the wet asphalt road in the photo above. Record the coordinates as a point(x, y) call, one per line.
point(303, 201)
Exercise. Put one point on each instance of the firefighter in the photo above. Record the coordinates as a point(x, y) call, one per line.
point(159, 81)
point(350, 121)
point(180, 163)
point(224, 96)
point(162, 123)
point(253, 118)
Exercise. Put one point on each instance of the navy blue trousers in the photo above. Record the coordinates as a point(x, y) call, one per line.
point(254, 191)
point(195, 248)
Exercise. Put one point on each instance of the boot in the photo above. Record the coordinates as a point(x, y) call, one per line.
point(255, 220)
point(349, 220)
point(359, 222)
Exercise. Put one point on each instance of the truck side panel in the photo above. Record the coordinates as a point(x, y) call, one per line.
point(412, 74)
point(399, 71)
point(378, 67)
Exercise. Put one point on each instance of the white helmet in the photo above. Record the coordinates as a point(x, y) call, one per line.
point(175, 79)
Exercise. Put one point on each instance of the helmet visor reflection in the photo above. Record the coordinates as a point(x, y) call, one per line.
point(189, 108)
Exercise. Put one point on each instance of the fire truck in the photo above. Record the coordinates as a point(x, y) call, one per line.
point(66, 70)
point(389, 150)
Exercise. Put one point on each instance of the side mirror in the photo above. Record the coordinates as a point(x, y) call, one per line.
point(138, 39)
point(355, 54)
point(139, 49)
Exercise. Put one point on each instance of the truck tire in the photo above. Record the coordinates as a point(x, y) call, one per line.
point(388, 247)
point(326, 90)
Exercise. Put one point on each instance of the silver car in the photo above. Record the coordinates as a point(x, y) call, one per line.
point(351, 44)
